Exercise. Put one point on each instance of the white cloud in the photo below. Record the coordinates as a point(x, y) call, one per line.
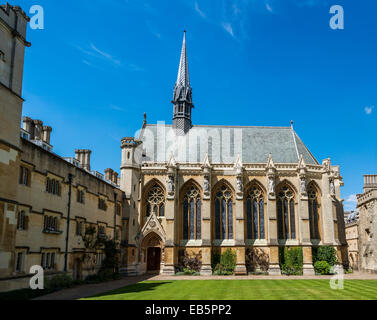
point(352, 198)
point(93, 53)
point(116, 107)
point(228, 28)
point(350, 203)
point(107, 56)
point(369, 110)
point(268, 7)
point(200, 12)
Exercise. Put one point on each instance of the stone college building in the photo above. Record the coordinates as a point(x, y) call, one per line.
point(183, 188)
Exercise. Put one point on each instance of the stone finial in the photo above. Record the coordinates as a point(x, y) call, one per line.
point(172, 163)
point(270, 162)
point(326, 164)
point(206, 162)
point(238, 166)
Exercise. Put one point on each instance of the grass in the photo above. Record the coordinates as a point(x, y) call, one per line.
point(243, 290)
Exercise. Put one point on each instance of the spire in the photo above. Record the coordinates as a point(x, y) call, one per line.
point(182, 98)
point(183, 78)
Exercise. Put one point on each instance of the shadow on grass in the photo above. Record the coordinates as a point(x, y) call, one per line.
point(133, 288)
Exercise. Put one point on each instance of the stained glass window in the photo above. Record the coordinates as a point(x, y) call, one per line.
point(255, 214)
point(286, 214)
point(192, 215)
point(156, 202)
point(223, 214)
point(313, 214)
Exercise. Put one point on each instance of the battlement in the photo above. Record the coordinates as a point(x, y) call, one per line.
point(15, 19)
point(130, 142)
point(370, 182)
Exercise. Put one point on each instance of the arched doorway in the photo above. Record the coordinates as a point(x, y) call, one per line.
point(152, 245)
point(153, 259)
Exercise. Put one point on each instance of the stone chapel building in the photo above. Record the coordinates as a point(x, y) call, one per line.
point(203, 189)
point(183, 188)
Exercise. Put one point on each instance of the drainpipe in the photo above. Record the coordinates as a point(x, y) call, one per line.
point(68, 221)
point(115, 216)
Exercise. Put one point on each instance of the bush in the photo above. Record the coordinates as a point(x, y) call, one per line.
point(225, 263)
point(228, 260)
point(322, 267)
point(219, 270)
point(325, 253)
point(291, 260)
point(58, 282)
point(102, 276)
point(192, 264)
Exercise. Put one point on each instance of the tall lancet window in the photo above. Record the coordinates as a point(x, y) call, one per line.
point(156, 201)
point(192, 215)
point(223, 214)
point(314, 213)
point(255, 214)
point(286, 213)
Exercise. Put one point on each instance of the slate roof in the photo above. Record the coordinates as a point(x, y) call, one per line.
point(223, 144)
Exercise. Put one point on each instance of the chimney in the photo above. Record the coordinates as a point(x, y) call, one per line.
point(115, 177)
point(46, 134)
point(27, 124)
point(38, 125)
point(109, 174)
point(84, 157)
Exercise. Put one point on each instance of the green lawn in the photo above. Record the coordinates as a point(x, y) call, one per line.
point(243, 290)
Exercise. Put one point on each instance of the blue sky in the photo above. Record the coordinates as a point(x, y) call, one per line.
point(100, 64)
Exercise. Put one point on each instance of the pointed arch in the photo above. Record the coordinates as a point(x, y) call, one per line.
point(314, 207)
point(223, 197)
point(288, 183)
point(187, 184)
point(154, 197)
point(221, 182)
point(150, 184)
point(285, 206)
point(191, 211)
point(254, 204)
point(256, 182)
point(314, 184)
point(152, 239)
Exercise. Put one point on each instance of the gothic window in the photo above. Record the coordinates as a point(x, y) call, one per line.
point(255, 214)
point(286, 214)
point(156, 201)
point(223, 214)
point(192, 215)
point(313, 214)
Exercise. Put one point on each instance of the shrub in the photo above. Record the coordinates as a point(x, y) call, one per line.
point(257, 261)
point(219, 270)
point(325, 253)
point(291, 260)
point(225, 263)
point(58, 282)
point(228, 260)
point(192, 264)
point(322, 267)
